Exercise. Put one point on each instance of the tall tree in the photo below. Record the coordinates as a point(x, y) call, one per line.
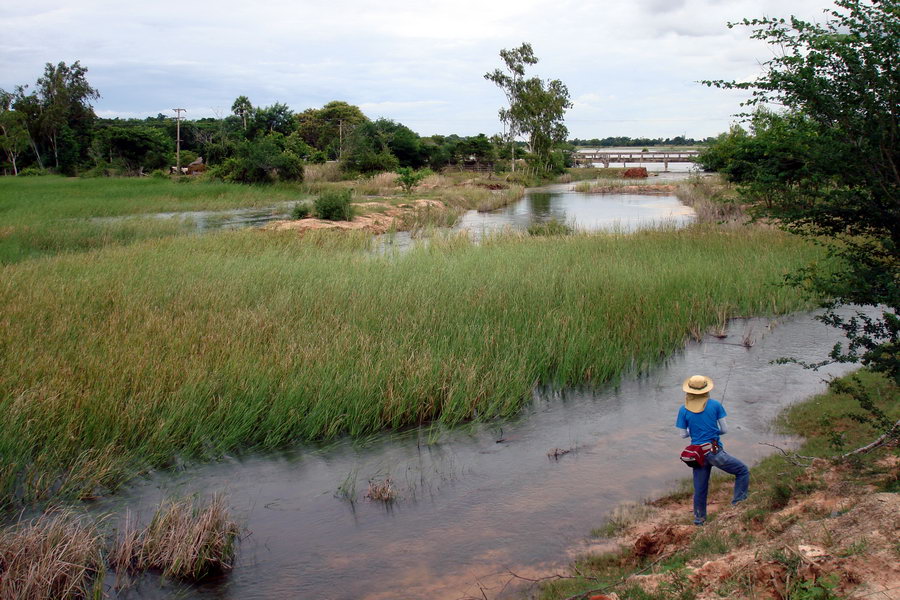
point(67, 114)
point(13, 133)
point(242, 108)
point(828, 166)
point(509, 81)
point(329, 128)
point(536, 108)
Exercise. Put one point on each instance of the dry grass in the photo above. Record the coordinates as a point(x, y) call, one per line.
point(382, 184)
point(713, 199)
point(185, 540)
point(57, 555)
point(326, 172)
point(382, 490)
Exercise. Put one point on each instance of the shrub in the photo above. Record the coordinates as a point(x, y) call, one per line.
point(551, 227)
point(334, 205)
point(33, 172)
point(261, 161)
point(301, 210)
point(408, 178)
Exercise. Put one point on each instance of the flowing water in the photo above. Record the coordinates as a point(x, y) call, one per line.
point(476, 501)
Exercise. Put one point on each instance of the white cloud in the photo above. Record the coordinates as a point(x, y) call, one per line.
point(631, 67)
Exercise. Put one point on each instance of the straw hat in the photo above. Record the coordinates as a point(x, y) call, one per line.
point(697, 388)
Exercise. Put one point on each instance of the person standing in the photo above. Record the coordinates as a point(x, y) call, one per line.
point(702, 419)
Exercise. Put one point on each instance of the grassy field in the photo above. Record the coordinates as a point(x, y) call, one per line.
point(130, 356)
point(43, 216)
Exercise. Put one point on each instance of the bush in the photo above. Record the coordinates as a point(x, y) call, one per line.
point(408, 178)
point(550, 228)
point(33, 172)
point(301, 210)
point(260, 161)
point(334, 205)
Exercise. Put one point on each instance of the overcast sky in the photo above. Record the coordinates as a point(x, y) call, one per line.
point(631, 67)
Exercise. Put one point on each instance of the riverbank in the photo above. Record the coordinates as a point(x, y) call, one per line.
point(811, 528)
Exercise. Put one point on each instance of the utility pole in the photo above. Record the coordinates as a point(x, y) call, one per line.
point(178, 112)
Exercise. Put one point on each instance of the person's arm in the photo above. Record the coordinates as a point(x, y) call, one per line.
point(723, 426)
point(681, 423)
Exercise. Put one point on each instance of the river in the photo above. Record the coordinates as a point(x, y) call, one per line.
point(479, 500)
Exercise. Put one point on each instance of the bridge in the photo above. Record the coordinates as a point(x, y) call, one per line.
point(606, 158)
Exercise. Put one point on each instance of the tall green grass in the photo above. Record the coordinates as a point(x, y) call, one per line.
point(41, 216)
point(192, 346)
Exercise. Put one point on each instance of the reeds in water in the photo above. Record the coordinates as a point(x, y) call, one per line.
point(185, 540)
point(57, 555)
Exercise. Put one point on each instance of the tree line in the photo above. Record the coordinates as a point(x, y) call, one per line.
point(642, 142)
point(52, 127)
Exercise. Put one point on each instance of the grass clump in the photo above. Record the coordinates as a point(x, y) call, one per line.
point(301, 210)
point(184, 540)
point(57, 555)
point(382, 490)
point(334, 205)
point(712, 198)
point(553, 227)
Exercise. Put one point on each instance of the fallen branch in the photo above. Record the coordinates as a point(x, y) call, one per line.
point(791, 456)
point(889, 437)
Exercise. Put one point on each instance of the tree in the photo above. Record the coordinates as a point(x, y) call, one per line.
point(509, 81)
point(828, 166)
point(536, 108)
point(271, 119)
point(330, 127)
point(242, 108)
point(13, 133)
point(133, 147)
point(66, 112)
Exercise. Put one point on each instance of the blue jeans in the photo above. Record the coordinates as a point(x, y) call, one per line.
point(727, 463)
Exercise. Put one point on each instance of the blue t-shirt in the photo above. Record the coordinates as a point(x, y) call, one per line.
point(703, 426)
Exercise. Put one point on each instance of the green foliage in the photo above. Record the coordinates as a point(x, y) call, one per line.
point(135, 147)
point(301, 210)
point(329, 128)
point(552, 227)
point(33, 172)
point(13, 132)
point(261, 161)
point(822, 588)
point(536, 108)
point(334, 205)
point(408, 178)
point(827, 167)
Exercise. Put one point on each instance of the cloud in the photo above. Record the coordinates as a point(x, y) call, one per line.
point(630, 67)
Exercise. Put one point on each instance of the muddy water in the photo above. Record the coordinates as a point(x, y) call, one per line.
point(477, 501)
